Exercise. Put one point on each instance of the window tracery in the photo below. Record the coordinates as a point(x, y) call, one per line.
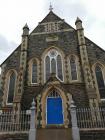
point(53, 64)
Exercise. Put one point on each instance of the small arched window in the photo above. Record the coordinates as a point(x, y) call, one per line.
point(100, 81)
point(34, 71)
point(11, 87)
point(53, 64)
point(73, 68)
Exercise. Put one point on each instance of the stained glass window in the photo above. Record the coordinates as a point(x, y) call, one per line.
point(53, 64)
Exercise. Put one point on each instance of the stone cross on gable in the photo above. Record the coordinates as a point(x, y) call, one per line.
point(50, 8)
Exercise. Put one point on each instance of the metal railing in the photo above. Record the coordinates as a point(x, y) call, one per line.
point(14, 121)
point(88, 118)
point(19, 122)
point(24, 121)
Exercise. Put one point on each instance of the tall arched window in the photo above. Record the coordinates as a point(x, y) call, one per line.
point(73, 68)
point(53, 64)
point(11, 87)
point(100, 81)
point(54, 108)
point(34, 71)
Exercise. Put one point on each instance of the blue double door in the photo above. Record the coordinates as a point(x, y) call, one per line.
point(54, 110)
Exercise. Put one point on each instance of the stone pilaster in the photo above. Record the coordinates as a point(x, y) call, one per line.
point(2, 81)
point(85, 64)
point(22, 71)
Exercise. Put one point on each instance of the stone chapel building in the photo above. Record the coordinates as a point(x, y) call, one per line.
point(53, 64)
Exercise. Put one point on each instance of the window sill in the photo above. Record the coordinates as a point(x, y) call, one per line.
point(103, 100)
point(9, 104)
point(74, 81)
point(33, 84)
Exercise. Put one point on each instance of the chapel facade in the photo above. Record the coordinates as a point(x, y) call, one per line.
point(53, 65)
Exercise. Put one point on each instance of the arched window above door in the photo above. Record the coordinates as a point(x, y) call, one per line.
point(53, 64)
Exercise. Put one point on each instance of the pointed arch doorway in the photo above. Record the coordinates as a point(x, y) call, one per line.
point(54, 108)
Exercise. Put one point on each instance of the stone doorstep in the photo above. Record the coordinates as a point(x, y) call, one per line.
point(15, 139)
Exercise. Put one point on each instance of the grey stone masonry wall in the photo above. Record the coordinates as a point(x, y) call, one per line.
point(84, 135)
point(67, 42)
point(78, 93)
point(14, 137)
point(92, 135)
point(95, 53)
point(13, 60)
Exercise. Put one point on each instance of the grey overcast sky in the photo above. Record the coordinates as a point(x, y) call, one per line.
point(15, 13)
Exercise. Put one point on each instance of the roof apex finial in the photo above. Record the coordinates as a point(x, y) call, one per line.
point(50, 7)
point(26, 26)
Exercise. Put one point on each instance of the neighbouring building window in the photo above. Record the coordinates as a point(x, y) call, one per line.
point(73, 68)
point(54, 108)
point(11, 87)
point(100, 81)
point(34, 71)
point(53, 64)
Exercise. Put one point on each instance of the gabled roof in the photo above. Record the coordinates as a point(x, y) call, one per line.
point(10, 55)
point(51, 17)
